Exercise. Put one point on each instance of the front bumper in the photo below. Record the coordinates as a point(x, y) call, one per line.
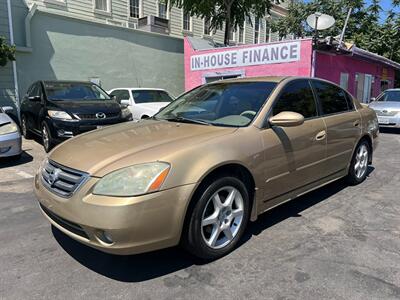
point(134, 224)
point(62, 130)
point(389, 121)
point(10, 144)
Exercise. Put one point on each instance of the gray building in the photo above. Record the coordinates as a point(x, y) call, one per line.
point(136, 43)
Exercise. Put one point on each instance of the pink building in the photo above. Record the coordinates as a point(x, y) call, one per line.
point(362, 73)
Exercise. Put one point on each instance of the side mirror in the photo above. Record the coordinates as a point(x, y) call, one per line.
point(34, 98)
point(125, 103)
point(7, 109)
point(287, 119)
point(372, 99)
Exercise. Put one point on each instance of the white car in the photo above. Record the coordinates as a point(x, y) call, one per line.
point(142, 102)
point(10, 136)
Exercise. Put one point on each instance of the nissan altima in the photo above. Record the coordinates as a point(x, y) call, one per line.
point(200, 169)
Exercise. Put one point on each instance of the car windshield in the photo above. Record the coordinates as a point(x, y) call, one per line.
point(221, 104)
point(148, 96)
point(71, 91)
point(393, 96)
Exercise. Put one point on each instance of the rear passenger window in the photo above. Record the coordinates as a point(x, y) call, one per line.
point(298, 97)
point(332, 98)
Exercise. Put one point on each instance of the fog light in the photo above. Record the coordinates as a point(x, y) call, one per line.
point(63, 133)
point(105, 237)
point(4, 150)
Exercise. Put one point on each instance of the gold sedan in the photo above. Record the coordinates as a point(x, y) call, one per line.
point(197, 172)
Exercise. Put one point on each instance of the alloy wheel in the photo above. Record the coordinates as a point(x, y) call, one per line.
point(222, 217)
point(23, 125)
point(361, 163)
point(45, 137)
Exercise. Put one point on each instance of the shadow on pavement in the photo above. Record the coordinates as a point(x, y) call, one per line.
point(142, 267)
point(7, 162)
point(389, 130)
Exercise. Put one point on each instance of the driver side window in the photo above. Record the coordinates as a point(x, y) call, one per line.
point(120, 95)
point(298, 97)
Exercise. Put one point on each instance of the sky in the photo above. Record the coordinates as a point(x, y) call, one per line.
point(385, 4)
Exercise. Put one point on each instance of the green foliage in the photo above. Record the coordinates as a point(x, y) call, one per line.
point(7, 52)
point(365, 28)
point(232, 13)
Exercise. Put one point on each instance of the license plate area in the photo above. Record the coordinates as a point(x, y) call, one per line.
point(383, 120)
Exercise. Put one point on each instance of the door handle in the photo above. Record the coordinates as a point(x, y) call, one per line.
point(320, 135)
point(356, 123)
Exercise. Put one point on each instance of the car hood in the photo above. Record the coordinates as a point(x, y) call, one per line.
point(385, 105)
point(102, 151)
point(4, 118)
point(86, 107)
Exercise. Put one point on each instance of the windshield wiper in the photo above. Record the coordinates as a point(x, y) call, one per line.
point(186, 120)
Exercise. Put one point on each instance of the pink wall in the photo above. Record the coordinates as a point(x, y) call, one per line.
point(298, 68)
point(329, 66)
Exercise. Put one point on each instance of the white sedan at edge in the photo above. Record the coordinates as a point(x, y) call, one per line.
point(10, 136)
point(142, 102)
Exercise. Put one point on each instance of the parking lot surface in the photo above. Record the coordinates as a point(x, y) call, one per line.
point(338, 242)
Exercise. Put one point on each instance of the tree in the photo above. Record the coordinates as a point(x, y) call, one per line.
point(232, 13)
point(7, 52)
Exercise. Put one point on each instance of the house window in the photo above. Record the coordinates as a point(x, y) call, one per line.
point(241, 33)
point(186, 21)
point(267, 33)
point(134, 8)
point(103, 5)
point(207, 26)
point(232, 35)
point(162, 9)
point(256, 30)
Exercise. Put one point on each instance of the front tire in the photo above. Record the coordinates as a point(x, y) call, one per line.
point(359, 163)
point(218, 219)
point(47, 140)
point(24, 128)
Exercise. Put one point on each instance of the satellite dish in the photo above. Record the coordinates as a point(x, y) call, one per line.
point(319, 21)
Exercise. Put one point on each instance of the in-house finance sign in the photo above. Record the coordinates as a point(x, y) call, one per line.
point(267, 54)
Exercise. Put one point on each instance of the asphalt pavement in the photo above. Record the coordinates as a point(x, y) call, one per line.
point(338, 242)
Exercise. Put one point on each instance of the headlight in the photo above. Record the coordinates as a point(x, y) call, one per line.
point(8, 128)
point(59, 115)
point(132, 181)
point(126, 113)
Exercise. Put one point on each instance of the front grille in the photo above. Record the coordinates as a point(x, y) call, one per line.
point(68, 225)
point(94, 117)
point(61, 180)
point(386, 113)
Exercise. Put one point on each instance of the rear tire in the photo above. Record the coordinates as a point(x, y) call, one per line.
point(47, 140)
point(359, 163)
point(24, 128)
point(218, 218)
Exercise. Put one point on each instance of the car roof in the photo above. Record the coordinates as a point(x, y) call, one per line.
point(137, 89)
point(392, 90)
point(256, 79)
point(66, 81)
